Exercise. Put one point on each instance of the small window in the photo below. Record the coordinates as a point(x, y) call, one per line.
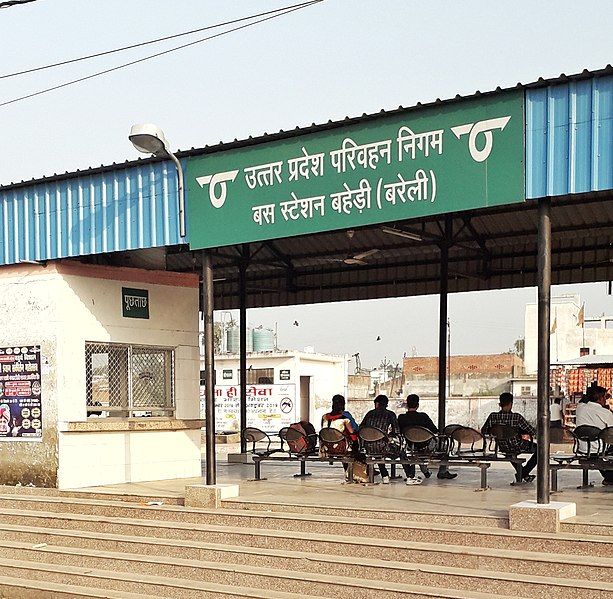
point(260, 376)
point(129, 380)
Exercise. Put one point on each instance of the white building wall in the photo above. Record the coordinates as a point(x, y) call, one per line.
point(28, 316)
point(568, 337)
point(62, 306)
point(90, 307)
point(328, 375)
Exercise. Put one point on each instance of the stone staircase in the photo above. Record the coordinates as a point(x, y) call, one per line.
point(55, 546)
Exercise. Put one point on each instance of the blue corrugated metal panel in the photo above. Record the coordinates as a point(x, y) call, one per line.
point(569, 138)
point(120, 209)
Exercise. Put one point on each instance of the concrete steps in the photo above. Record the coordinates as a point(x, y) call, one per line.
point(15, 589)
point(127, 584)
point(231, 523)
point(172, 551)
point(501, 521)
point(319, 574)
point(587, 527)
point(339, 550)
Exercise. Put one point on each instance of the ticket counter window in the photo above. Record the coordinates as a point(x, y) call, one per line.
point(127, 381)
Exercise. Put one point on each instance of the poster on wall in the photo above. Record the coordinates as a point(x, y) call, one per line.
point(20, 394)
point(269, 407)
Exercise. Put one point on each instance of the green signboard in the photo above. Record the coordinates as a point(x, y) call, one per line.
point(435, 160)
point(134, 302)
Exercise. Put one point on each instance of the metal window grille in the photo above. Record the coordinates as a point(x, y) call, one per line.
point(260, 376)
point(129, 380)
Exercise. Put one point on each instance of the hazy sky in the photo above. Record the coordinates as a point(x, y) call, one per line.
point(337, 58)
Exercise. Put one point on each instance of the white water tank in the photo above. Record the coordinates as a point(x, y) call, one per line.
point(233, 340)
point(263, 340)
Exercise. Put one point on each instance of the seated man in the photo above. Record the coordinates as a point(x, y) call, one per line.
point(414, 418)
point(595, 413)
point(385, 420)
point(519, 444)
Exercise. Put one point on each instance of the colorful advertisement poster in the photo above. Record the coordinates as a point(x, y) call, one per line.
point(269, 407)
point(20, 394)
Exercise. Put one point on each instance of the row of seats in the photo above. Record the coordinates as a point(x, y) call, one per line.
point(455, 440)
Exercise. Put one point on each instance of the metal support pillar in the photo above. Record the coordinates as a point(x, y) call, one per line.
point(442, 325)
point(543, 351)
point(209, 365)
point(242, 291)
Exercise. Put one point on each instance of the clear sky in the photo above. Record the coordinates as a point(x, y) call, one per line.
point(337, 58)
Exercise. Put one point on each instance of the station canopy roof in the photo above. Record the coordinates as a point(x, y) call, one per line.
point(492, 249)
point(493, 243)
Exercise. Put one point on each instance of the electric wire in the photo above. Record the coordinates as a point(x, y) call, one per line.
point(154, 41)
point(9, 3)
point(157, 54)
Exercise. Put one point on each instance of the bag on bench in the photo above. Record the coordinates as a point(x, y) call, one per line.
point(304, 444)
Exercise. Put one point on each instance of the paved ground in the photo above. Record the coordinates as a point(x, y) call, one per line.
point(326, 487)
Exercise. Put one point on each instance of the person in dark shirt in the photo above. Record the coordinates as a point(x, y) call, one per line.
point(414, 418)
point(386, 421)
point(521, 443)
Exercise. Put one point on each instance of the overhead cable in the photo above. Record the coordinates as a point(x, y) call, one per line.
point(154, 41)
point(9, 3)
point(145, 58)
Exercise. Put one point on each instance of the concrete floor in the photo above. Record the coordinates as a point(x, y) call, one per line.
point(326, 487)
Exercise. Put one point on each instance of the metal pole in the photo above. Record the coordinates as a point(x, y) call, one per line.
point(180, 193)
point(209, 365)
point(242, 290)
point(442, 326)
point(544, 317)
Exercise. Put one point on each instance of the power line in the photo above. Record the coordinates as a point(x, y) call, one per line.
point(9, 3)
point(133, 62)
point(154, 41)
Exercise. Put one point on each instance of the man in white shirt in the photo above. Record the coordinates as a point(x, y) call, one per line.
point(595, 413)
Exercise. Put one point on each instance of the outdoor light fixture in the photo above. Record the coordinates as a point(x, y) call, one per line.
point(400, 233)
point(150, 139)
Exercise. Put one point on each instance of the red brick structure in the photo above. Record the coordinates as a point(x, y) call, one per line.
point(470, 375)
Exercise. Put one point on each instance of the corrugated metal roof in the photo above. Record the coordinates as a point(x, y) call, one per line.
point(569, 137)
point(492, 249)
point(284, 134)
point(121, 209)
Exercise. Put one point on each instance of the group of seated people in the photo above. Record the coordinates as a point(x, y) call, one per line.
point(386, 421)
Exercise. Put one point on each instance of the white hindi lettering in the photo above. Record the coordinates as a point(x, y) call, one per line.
point(367, 155)
point(135, 301)
point(409, 142)
point(263, 175)
point(422, 187)
point(345, 201)
point(302, 207)
point(305, 166)
point(264, 214)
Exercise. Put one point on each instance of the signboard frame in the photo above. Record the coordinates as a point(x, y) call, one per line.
point(440, 159)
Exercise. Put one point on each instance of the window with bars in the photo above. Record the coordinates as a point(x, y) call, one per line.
point(129, 380)
point(260, 376)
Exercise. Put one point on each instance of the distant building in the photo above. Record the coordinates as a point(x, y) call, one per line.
point(283, 386)
point(470, 376)
point(571, 331)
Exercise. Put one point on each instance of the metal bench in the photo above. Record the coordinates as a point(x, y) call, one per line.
point(289, 436)
point(596, 456)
